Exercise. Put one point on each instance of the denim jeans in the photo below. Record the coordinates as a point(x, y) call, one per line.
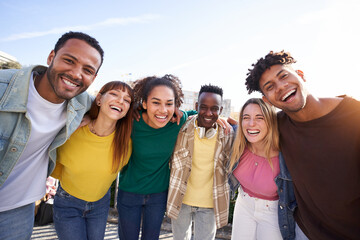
point(17, 223)
point(78, 219)
point(204, 223)
point(299, 235)
point(132, 207)
point(255, 218)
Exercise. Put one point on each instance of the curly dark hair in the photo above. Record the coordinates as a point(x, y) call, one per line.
point(81, 36)
point(211, 89)
point(143, 87)
point(272, 58)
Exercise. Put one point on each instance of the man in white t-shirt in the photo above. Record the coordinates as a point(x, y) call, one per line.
point(39, 109)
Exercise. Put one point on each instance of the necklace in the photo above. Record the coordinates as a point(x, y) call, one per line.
point(92, 128)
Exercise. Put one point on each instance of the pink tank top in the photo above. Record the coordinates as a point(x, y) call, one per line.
point(256, 176)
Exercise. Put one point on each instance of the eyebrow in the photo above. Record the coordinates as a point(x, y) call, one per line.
point(75, 59)
point(268, 82)
point(155, 98)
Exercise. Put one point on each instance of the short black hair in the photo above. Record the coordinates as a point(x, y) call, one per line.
point(81, 36)
point(272, 58)
point(211, 89)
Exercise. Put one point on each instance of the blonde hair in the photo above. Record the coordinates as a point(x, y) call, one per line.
point(271, 140)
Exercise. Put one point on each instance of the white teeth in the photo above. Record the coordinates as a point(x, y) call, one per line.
point(207, 119)
point(253, 132)
point(161, 117)
point(116, 108)
point(288, 94)
point(69, 83)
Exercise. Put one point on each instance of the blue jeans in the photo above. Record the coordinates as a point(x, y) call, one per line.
point(132, 206)
point(78, 219)
point(204, 223)
point(17, 223)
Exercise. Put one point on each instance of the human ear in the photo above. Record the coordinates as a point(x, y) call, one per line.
point(196, 106)
point(50, 57)
point(301, 74)
point(144, 105)
point(98, 99)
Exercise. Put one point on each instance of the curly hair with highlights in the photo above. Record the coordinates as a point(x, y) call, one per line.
point(143, 87)
point(272, 58)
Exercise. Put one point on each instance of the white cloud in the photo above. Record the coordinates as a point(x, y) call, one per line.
point(106, 23)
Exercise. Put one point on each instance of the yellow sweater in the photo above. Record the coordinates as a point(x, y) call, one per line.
point(199, 191)
point(84, 164)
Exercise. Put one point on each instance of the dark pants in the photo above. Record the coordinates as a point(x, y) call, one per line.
point(133, 207)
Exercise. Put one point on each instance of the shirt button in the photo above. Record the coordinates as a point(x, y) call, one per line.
point(1, 173)
point(256, 163)
point(281, 207)
point(13, 149)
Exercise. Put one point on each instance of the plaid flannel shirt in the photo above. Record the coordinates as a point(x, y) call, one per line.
point(181, 169)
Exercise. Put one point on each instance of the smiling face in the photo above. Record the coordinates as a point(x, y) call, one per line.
point(160, 107)
point(253, 124)
point(209, 108)
point(114, 104)
point(283, 88)
point(71, 71)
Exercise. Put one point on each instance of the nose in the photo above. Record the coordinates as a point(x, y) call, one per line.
point(120, 99)
point(251, 122)
point(76, 72)
point(209, 112)
point(281, 86)
point(162, 108)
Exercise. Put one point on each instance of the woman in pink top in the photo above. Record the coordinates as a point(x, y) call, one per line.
point(255, 164)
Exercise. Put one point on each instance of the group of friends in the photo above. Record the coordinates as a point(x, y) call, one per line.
point(296, 172)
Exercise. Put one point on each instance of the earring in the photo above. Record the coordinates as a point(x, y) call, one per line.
point(98, 103)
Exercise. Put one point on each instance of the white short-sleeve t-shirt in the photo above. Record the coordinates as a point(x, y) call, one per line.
point(26, 182)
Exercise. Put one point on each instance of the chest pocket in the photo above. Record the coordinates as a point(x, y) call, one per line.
point(179, 158)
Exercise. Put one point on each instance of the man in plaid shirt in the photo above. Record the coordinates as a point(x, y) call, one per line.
point(198, 189)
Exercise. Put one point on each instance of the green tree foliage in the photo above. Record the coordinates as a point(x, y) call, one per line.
point(10, 65)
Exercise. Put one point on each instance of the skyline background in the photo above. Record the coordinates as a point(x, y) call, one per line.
point(200, 42)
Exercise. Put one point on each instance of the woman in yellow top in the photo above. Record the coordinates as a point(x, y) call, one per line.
point(89, 162)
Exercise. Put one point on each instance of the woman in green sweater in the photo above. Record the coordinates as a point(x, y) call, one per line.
point(145, 180)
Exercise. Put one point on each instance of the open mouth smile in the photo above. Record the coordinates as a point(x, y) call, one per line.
point(288, 95)
point(253, 132)
point(161, 117)
point(116, 108)
point(69, 81)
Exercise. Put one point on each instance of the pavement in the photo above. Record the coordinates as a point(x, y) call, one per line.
point(47, 232)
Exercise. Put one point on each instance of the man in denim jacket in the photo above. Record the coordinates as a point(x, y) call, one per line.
point(39, 109)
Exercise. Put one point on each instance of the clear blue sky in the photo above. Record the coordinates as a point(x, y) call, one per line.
point(212, 41)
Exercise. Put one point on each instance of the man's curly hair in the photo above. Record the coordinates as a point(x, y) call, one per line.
point(143, 87)
point(272, 58)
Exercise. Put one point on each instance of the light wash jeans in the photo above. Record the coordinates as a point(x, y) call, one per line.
point(78, 219)
point(299, 235)
point(255, 219)
point(204, 223)
point(17, 223)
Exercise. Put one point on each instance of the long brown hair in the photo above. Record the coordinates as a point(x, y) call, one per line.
point(271, 139)
point(123, 126)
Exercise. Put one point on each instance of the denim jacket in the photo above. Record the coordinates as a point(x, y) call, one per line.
point(15, 126)
point(287, 201)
